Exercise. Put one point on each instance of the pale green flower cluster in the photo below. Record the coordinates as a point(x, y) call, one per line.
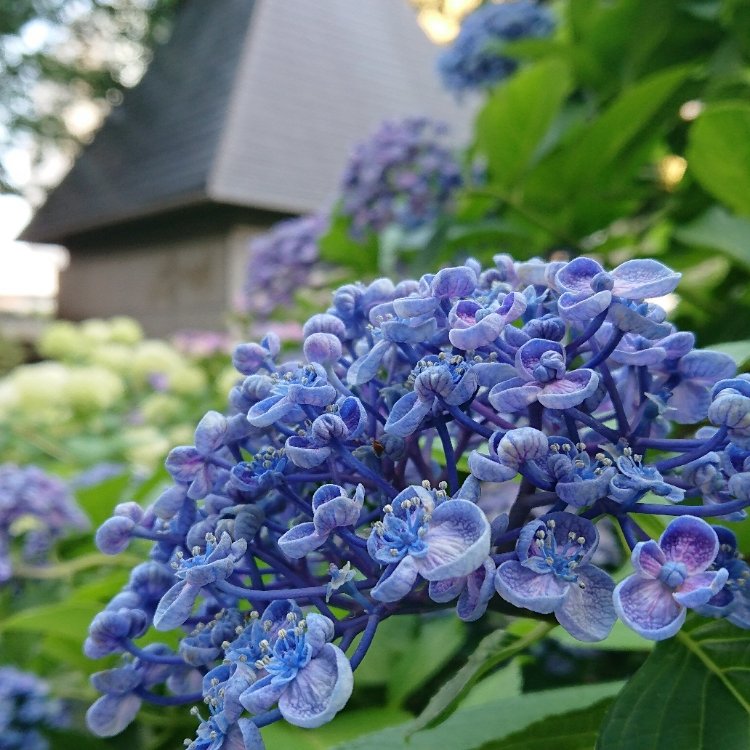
point(103, 393)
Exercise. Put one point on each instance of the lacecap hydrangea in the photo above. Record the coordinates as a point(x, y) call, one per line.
point(405, 174)
point(28, 710)
point(334, 492)
point(475, 59)
point(38, 508)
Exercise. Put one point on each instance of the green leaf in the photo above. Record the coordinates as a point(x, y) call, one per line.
point(98, 501)
point(338, 247)
point(739, 351)
point(71, 619)
point(346, 726)
point(719, 230)
point(575, 730)
point(437, 642)
point(472, 727)
point(693, 692)
point(504, 683)
point(516, 118)
point(494, 649)
point(718, 153)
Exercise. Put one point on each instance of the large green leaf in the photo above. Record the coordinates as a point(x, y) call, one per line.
point(71, 619)
point(575, 730)
point(595, 170)
point(693, 692)
point(719, 230)
point(496, 648)
point(516, 118)
point(473, 727)
point(719, 153)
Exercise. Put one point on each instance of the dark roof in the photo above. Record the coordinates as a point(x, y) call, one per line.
point(149, 156)
point(251, 103)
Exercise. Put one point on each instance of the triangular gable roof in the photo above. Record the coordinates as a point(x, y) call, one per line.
point(253, 103)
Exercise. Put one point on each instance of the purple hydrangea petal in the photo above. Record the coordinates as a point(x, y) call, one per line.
point(406, 415)
point(446, 589)
point(267, 411)
point(587, 613)
point(398, 583)
point(301, 539)
point(524, 588)
point(458, 541)
point(262, 695)
point(641, 278)
point(479, 588)
point(481, 333)
point(514, 395)
point(689, 403)
point(341, 511)
point(628, 320)
point(210, 433)
point(110, 714)
point(701, 587)
point(320, 690)
point(530, 354)
point(577, 275)
point(366, 367)
point(487, 470)
point(707, 367)
point(570, 390)
point(175, 606)
point(648, 558)
point(691, 541)
point(582, 307)
point(303, 454)
point(648, 607)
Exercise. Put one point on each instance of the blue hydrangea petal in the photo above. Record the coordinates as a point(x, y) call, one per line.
point(690, 540)
point(459, 281)
point(250, 736)
point(481, 333)
point(707, 367)
point(184, 462)
point(366, 367)
point(487, 470)
point(648, 558)
point(628, 320)
point(262, 695)
point(458, 541)
point(267, 411)
point(583, 307)
point(584, 492)
point(305, 455)
point(570, 390)
point(406, 415)
point(320, 690)
point(530, 354)
point(210, 432)
point(320, 630)
point(175, 606)
point(701, 587)
point(110, 714)
point(514, 395)
point(446, 589)
point(588, 614)
point(341, 511)
point(490, 373)
point(642, 278)
point(398, 583)
point(528, 590)
point(480, 586)
point(577, 275)
point(118, 681)
point(689, 403)
point(301, 539)
point(648, 607)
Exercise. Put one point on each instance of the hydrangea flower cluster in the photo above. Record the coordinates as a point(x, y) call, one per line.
point(475, 58)
point(280, 262)
point(342, 489)
point(37, 506)
point(404, 174)
point(27, 710)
